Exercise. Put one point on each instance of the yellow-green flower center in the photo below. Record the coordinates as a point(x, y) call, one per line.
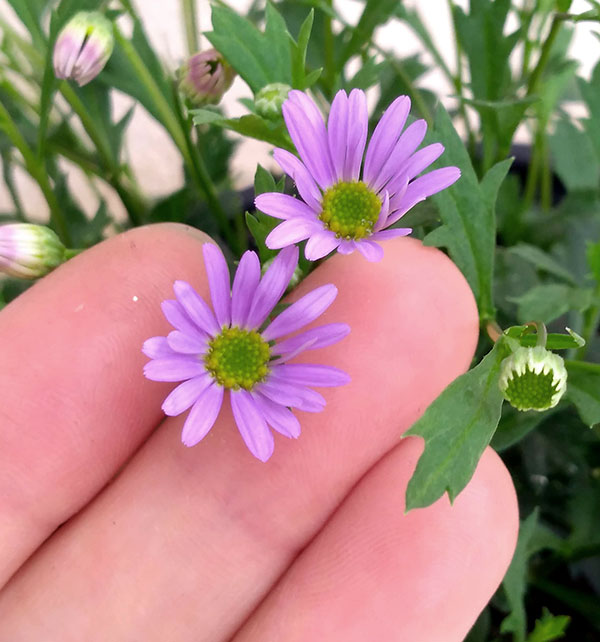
point(531, 390)
point(350, 210)
point(238, 358)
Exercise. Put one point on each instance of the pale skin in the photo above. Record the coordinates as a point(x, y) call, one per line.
point(167, 543)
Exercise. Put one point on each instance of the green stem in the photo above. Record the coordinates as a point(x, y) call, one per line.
point(203, 177)
point(190, 21)
point(70, 253)
point(536, 75)
point(10, 185)
point(131, 198)
point(38, 172)
point(590, 326)
point(329, 62)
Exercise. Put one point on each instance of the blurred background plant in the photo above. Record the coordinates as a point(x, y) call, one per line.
point(523, 223)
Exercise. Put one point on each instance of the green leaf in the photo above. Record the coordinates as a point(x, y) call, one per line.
point(467, 210)
point(373, 15)
point(554, 340)
point(260, 224)
point(574, 158)
point(259, 58)
point(250, 125)
point(30, 12)
point(549, 627)
point(299, 53)
point(515, 580)
point(542, 261)
point(583, 389)
point(593, 258)
point(550, 301)
point(456, 428)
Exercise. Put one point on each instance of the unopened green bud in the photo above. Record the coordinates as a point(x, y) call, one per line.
point(205, 77)
point(533, 379)
point(269, 99)
point(83, 47)
point(29, 251)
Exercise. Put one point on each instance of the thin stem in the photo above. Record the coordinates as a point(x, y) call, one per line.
point(190, 21)
point(37, 172)
point(12, 189)
point(536, 75)
point(590, 325)
point(542, 334)
point(328, 50)
point(132, 199)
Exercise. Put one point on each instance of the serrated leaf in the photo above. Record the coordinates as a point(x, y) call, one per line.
point(259, 58)
point(544, 302)
point(549, 627)
point(542, 261)
point(251, 125)
point(515, 580)
point(467, 209)
point(456, 428)
point(583, 389)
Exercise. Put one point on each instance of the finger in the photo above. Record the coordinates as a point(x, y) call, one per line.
point(375, 573)
point(221, 526)
point(73, 409)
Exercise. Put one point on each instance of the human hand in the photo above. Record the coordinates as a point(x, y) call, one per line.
point(162, 542)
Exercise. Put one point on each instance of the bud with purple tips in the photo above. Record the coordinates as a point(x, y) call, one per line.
point(205, 77)
point(29, 251)
point(83, 47)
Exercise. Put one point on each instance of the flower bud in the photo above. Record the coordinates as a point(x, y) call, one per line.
point(29, 251)
point(83, 47)
point(205, 77)
point(533, 379)
point(269, 99)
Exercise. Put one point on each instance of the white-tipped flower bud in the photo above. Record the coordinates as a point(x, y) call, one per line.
point(269, 99)
point(533, 379)
point(83, 47)
point(205, 77)
point(29, 251)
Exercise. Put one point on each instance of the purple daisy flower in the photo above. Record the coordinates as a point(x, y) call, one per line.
point(343, 208)
point(233, 347)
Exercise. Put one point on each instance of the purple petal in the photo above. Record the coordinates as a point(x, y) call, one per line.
point(337, 132)
point(203, 415)
point(358, 128)
point(176, 315)
point(422, 159)
point(292, 395)
point(307, 130)
point(302, 312)
point(372, 251)
point(196, 307)
point(320, 244)
point(283, 206)
point(384, 235)
point(245, 282)
point(383, 213)
point(252, 425)
point(219, 282)
point(186, 394)
point(346, 247)
point(173, 368)
point(425, 186)
point(324, 335)
point(295, 168)
point(66, 51)
point(187, 343)
point(393, 169)
point(292, 231)
point(277, 416)
point(384, 137)
point(157, 347)
point(305, 374)
point(290, 355)
point(272, 286)
point(90, 62)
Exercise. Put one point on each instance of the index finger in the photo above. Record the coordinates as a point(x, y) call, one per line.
point(73, 409)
